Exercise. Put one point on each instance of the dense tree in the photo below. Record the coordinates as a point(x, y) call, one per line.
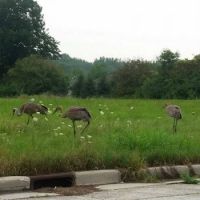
point(103, 87)
point(34, 75)
point(77, 86)
point(22, 33)
point(88, 89)
point(72, 66)
point(167, 60)
point(110, 64)
point(129, 78)
point(186, 79)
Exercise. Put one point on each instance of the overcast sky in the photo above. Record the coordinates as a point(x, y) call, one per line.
point(125, 29)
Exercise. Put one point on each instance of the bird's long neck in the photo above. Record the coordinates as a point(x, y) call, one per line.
point(58, 109)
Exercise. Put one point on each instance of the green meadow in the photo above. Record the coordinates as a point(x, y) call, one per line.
point(124, 133)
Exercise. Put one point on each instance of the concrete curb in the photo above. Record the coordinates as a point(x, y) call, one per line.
point(94, 177)
point(97, 177)
point(14, 183)
point(169, 172)
point(100, 177)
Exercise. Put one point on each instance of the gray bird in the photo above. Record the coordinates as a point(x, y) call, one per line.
point(75, 114)
point(175, 112)
point(30, 109)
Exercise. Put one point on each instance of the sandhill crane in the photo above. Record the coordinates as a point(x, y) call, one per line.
point(76, 114)
point(30, 109)
point(175, 112)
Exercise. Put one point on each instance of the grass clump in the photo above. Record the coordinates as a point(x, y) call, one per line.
point(189, 179)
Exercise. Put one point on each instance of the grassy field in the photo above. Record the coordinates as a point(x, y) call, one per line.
point(125, 134)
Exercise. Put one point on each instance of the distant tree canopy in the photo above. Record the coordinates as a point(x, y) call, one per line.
point(22, 33)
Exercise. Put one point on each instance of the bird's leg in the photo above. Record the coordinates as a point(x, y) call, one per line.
point(74, 128)
point(88, 123)
point(29, 116)
point(174, 125)
point(28, 119)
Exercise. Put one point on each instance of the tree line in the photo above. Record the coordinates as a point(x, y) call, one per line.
point(167, 77)
point(31, 63)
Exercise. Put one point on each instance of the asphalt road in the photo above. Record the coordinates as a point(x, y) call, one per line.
point(132, 191)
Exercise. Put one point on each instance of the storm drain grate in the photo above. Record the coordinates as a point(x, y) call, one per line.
point(52, 180)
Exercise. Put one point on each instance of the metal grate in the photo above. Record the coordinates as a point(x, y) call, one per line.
point(52, 180)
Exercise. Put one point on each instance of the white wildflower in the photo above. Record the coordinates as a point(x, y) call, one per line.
point(89, 136)
point(35, 119)
point(82, 137)
point(101, 112)
point(111, 112)
point(131, 107)
point(46, 119)
point(38, 113)
point(89, 142)
point(58, 128)
point(50, 104)
point(32, 99)
point(63, 123)
point(69, 125)
point(49, 111)
point(129, 121)
point(61, 134)
point(80, 126)
point(40, 102)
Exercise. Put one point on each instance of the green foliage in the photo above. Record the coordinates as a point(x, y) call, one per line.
point(74, 66)
point(22, 33)
point(103, 87)
point(189, 179)
point(77, 87)
point(109, 64)
point(34, 75)
point(167, 59)
point(88, 89)
point(127, 79)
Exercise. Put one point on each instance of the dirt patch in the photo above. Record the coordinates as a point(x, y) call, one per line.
point(69, 191)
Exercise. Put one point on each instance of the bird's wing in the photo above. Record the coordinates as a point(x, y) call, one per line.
point(84, 109)
point(44, 107)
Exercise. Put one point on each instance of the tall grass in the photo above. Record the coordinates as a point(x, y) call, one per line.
point(123, 134)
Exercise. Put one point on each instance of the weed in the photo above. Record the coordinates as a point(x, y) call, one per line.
point(189, 179)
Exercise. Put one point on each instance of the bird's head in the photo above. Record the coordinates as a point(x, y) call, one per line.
point(44, 109)
point(165, 105)
point(58, 109)
point(16, 111)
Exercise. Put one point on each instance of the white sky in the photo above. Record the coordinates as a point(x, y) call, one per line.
point(125, 29)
